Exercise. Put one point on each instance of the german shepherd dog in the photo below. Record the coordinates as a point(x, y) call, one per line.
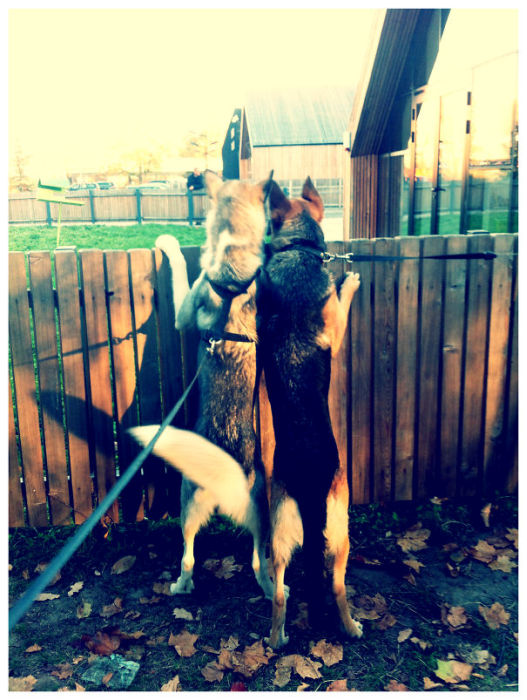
point(301, 324)
point(221, 305)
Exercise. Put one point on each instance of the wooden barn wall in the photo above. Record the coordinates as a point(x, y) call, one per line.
point(423, 395)
point(297, 162)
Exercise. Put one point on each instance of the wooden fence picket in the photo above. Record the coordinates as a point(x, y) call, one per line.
point(21, 345)
point(99, 373)
point(73, 368)
point(50, 386)
point(16, 499)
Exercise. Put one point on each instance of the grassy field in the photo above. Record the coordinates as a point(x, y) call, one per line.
point(23, 238)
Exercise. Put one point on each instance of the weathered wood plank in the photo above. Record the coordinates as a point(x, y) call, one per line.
point(16, 500)
point(50, 387)
point(475, 361)
point(496, 371)
point(512, 425)
point(452, 363)
point(73, 368)
point(383, 365)
point(148, 378)
point(428, 406)
point(361, 363)
point(99, 373)
point(124, 374)
point(25, 390)
point(405, 390)
point(338, 397)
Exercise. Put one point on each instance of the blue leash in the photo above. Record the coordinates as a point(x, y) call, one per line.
point(38, 585)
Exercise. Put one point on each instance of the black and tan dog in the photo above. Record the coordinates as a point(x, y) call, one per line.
point(221, 305)
point(301, 324)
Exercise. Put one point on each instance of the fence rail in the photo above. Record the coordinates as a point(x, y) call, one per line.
point(423, 394)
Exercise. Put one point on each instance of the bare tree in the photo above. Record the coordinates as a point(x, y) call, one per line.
point(19, 180)
point(201, 145)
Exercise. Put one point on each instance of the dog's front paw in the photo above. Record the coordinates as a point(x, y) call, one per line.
point(281, 641)
point(182, 585)
point(351, 283)
point(356, 629)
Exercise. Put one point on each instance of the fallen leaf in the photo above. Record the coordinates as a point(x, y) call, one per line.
point(182, 614)
point(23, 685)
point(112, 609)
point(47, 596)
point(63, 671)
point(303, 666)
point(414, 564)
point(485, 514)
point(404, 635)
point(306, 668)
point(282, 674)
point(132, 615)
point(183, 643)
point(231, 644)
point(225, 569)
point(329, 653)
point(455, 617)
point(453, 671)
point(502, 671)
point(337, 686)
point(394, 685)
point(302, 687)
point(238, 686)
point(42, 566)
point(124, 564)
point(428, 684)
point(163, 588)
point(172, 685)
point(102, 643)
point(75, 588)
point(512, 535)
point(83, 610)
point(387, 620)
point(248, 661)
point(502, 563)
point(414, 539)
point(483, 552)
point(212, 672)
point(33, 648)
point(480, 657)
point(495, 616)
point(420, 642)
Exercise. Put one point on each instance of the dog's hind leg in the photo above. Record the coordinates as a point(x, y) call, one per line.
point(194, 515)
point(338, 549)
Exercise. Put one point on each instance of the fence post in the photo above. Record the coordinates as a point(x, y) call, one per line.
point(49, 220)
point(92, 206)
point(138, 202)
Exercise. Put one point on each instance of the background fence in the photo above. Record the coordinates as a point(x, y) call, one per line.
point(130, 205)
point(423, 394)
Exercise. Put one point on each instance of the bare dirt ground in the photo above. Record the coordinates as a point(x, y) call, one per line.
point(434, 587)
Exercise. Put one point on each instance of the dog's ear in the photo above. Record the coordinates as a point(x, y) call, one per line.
point(213, 183)
point(309, 193)
point(279, 204)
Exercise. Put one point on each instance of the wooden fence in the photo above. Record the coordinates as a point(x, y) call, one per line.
point(423, 395)
point(107, 206)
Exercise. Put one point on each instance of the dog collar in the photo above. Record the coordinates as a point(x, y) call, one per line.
point(213, 339)
point(303, 244)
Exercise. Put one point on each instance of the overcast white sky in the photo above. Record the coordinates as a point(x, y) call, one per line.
point(85, 83)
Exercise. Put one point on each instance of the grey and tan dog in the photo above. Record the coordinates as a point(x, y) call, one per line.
point(221, 305)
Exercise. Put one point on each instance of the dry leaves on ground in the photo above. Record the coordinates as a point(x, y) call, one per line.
point(182, 614)
point(495, 616)
point(47, 596)
point(83, 610)
point(124, 564)
point(338, 686)
point(329, 653)
point(23, 685)
point(33, 648)
point(224, 568)
point(414, 539)
point(75, 588)
point(302, 665)
point(183, 643)
point(394, 685)
point(172, 685)
point(455, 617)
point(112, 609)
point(453, 671)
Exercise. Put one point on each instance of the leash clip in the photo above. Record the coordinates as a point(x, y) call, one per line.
point(327, 257)
point(212, 345)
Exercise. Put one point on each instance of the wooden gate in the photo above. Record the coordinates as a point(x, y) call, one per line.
point(423, 394)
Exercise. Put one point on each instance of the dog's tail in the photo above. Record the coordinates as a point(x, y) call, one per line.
point(203, 463)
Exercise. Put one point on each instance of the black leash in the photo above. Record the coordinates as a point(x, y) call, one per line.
point(38, 585)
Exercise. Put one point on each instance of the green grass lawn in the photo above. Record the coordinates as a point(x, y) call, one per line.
point(23, 238)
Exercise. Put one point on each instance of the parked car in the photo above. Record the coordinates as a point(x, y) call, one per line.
point(146, 186)
point(83, 186)
point(105, 185)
